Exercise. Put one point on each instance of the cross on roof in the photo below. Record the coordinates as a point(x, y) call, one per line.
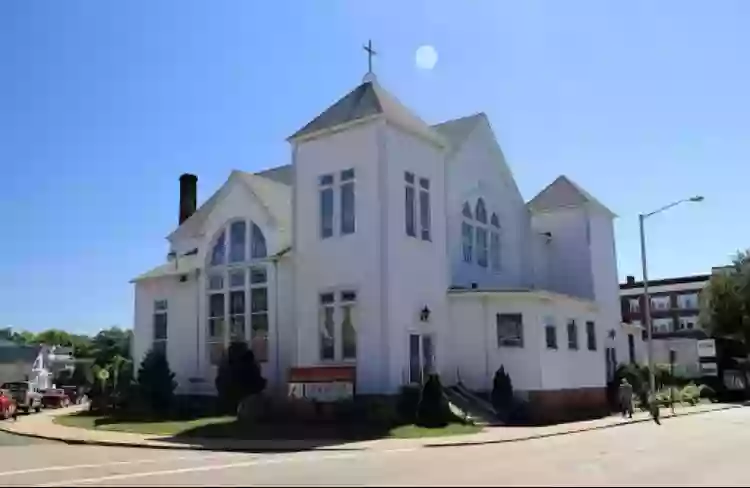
point(370, 53)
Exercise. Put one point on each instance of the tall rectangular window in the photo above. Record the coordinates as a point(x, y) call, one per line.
point(160, 326)
point(237, 241)
point(348, 214)
point(338, 326)
point(509, 329)
point(591, 335)
point(424, 209)
point(550, 332)
point(410, 205)
point(631, 348)
point(215, 332)
point(572, 335)
point(348, 325)
point(495, 250)
point(327, 327)
point(482, 247)
point(237, 315)
point(326, 206)
point(467, 236)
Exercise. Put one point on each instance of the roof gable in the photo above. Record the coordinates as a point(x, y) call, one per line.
point(456, 131)
point(273, 196)
point(563, 193)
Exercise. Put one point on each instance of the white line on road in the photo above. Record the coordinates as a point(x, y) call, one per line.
point(101, 465)
point(196, 469)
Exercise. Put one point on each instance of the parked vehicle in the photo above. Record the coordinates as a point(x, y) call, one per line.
point(7, 405)
point(76, 394)
point(55, 398)
point(25, 394)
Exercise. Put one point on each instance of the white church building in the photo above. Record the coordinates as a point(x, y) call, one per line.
point(395, 248)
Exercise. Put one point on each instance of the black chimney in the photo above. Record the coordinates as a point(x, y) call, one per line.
point(188, 196)
point(630, 280)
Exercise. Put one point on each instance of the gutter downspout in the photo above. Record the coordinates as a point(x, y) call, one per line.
point(197, 324)
point(485, 327)
point(275, 262)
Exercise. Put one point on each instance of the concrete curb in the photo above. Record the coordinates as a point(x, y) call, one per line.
point(578, 431)
point(206, 445)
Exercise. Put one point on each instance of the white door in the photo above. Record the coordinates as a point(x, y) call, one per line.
point(421, 357)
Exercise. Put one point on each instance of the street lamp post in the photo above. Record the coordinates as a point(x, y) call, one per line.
point(646, 300)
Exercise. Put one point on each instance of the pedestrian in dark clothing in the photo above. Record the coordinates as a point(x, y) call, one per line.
point(626, 398)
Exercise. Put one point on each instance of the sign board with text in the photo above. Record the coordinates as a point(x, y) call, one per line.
point(333, 391)
point(706, 348)
point(322, 383)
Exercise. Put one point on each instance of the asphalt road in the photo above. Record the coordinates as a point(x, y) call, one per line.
point(692, 450)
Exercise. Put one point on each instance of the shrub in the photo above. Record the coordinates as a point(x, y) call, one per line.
point(433, 409)
point(156, 382)
point(408, 403)
point(502, 390)
point(238, 376)
point(691, 393)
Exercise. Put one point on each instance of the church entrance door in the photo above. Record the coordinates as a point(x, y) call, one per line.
point(421, 357)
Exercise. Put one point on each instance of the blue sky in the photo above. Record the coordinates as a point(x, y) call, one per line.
point(104, 104)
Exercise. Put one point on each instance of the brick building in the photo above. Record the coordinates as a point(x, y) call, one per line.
point(675, 305)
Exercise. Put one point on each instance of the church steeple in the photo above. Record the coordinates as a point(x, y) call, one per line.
point(368, 101)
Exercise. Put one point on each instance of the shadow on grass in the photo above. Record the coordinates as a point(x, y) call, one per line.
point(227, 434)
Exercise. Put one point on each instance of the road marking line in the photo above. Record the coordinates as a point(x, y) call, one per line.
point(196, 469)
point(102, 465)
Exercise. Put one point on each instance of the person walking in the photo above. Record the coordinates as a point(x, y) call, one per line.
point(626, 398)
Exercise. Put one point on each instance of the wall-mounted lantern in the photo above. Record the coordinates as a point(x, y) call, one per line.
point(424, 315)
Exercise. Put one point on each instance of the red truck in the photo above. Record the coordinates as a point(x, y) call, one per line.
point(7, 405)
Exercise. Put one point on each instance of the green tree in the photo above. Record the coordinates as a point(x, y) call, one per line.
point(725, 308)
point(502, 390)
point(238, 376)
point(433, 409)
point(156, 382)
point(110, 343)
point(54, 337)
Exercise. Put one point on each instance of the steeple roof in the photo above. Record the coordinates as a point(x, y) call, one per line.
point(367, 101)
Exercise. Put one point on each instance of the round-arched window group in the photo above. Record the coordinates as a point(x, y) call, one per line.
point(480, 236)
point(237, 276)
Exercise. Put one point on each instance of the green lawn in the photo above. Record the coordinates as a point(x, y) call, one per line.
point(227, 427)
point(157, 427)
point(414, 431)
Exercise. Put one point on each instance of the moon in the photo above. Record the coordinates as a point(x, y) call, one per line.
point(426, 57)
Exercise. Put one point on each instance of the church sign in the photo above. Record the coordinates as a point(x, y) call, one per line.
point(322, 383)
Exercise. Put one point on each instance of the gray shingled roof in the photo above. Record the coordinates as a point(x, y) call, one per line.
point(563, 193)
point(15, 354)
point(280, 174)
point(455, 131)
point(367, 100)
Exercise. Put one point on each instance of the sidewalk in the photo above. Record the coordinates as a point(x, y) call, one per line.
point(42, 426)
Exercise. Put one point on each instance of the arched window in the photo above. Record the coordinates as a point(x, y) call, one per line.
point(481, 212)
point(467, 234)
point(258, 243)
point(495, 243)
point(237, 287)
point(218, 252)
